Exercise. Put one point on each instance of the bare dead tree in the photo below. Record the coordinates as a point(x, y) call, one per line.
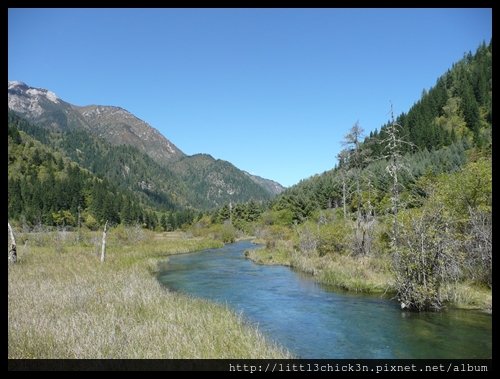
point(79, 225)
point(357, 159)
point(103, 248)
point(344, 177)
point(352, 141)
point(394, 146)
point(13, 246)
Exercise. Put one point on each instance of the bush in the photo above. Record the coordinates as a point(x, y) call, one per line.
point(225, 233)
point(427, 255)
point(228, 233)
point(90, 222)
point(308, 238)
point(282, 217)
point(335, 238)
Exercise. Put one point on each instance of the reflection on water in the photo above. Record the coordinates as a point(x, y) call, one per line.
point(314, 321)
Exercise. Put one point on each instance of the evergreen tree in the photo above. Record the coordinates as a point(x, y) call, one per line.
point(172, 221)
point(163, 222)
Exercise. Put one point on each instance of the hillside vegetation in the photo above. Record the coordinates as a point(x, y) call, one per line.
point(407, 209)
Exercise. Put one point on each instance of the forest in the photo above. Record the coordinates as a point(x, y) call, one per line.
point(48, 188)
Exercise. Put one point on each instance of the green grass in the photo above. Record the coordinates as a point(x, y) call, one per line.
point(63, 303)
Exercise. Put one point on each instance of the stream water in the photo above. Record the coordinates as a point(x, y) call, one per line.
point(316, 321)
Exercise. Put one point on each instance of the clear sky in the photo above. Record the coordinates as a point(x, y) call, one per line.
point(271, 90)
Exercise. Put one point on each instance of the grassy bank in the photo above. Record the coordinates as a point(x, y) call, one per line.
point(63, 303)
point(362, 274)
point(366, 275)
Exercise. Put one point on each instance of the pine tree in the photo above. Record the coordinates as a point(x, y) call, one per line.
point(172, 221)
point(163, 222)
point(126, 213)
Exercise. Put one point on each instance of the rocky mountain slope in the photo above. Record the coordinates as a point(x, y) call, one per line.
point(114, 124)
point(198, 181)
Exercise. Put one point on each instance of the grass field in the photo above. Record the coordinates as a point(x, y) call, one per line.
point(63, 303)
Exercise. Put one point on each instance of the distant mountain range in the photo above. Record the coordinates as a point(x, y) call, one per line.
point(110, 141)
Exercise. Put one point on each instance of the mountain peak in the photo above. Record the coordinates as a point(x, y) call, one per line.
point(16, 83)
point(22, 87)
point(112, 123)
point(31, 102)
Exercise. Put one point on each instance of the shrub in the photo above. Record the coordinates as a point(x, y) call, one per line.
point(334, 238)
point(228, 233)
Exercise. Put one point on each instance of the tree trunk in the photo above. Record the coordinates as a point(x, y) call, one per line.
point(344, 198)
point(79, 226)
point(103, 249)
point(13, 247)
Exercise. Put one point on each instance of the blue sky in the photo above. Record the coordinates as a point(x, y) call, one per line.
point(271, 90)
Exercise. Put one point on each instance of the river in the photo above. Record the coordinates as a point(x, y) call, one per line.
point(315, 321)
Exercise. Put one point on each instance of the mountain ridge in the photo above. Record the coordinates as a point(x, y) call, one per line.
point(223, 182)
point(109, 121)
point(112, 123)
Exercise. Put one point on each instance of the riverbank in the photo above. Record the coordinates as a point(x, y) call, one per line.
point(63, 303)
point(370, 275)
point(339, 324)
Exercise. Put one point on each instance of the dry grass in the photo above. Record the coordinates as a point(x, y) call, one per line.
point(467, 296)
point(62, 303)
point(278, 255)
point(357, 274)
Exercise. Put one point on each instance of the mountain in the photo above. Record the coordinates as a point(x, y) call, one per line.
point(114, 124)
point(120, 127)
point(273, 187)
point(217, 181)
point(43, 107)
point(114, 144)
